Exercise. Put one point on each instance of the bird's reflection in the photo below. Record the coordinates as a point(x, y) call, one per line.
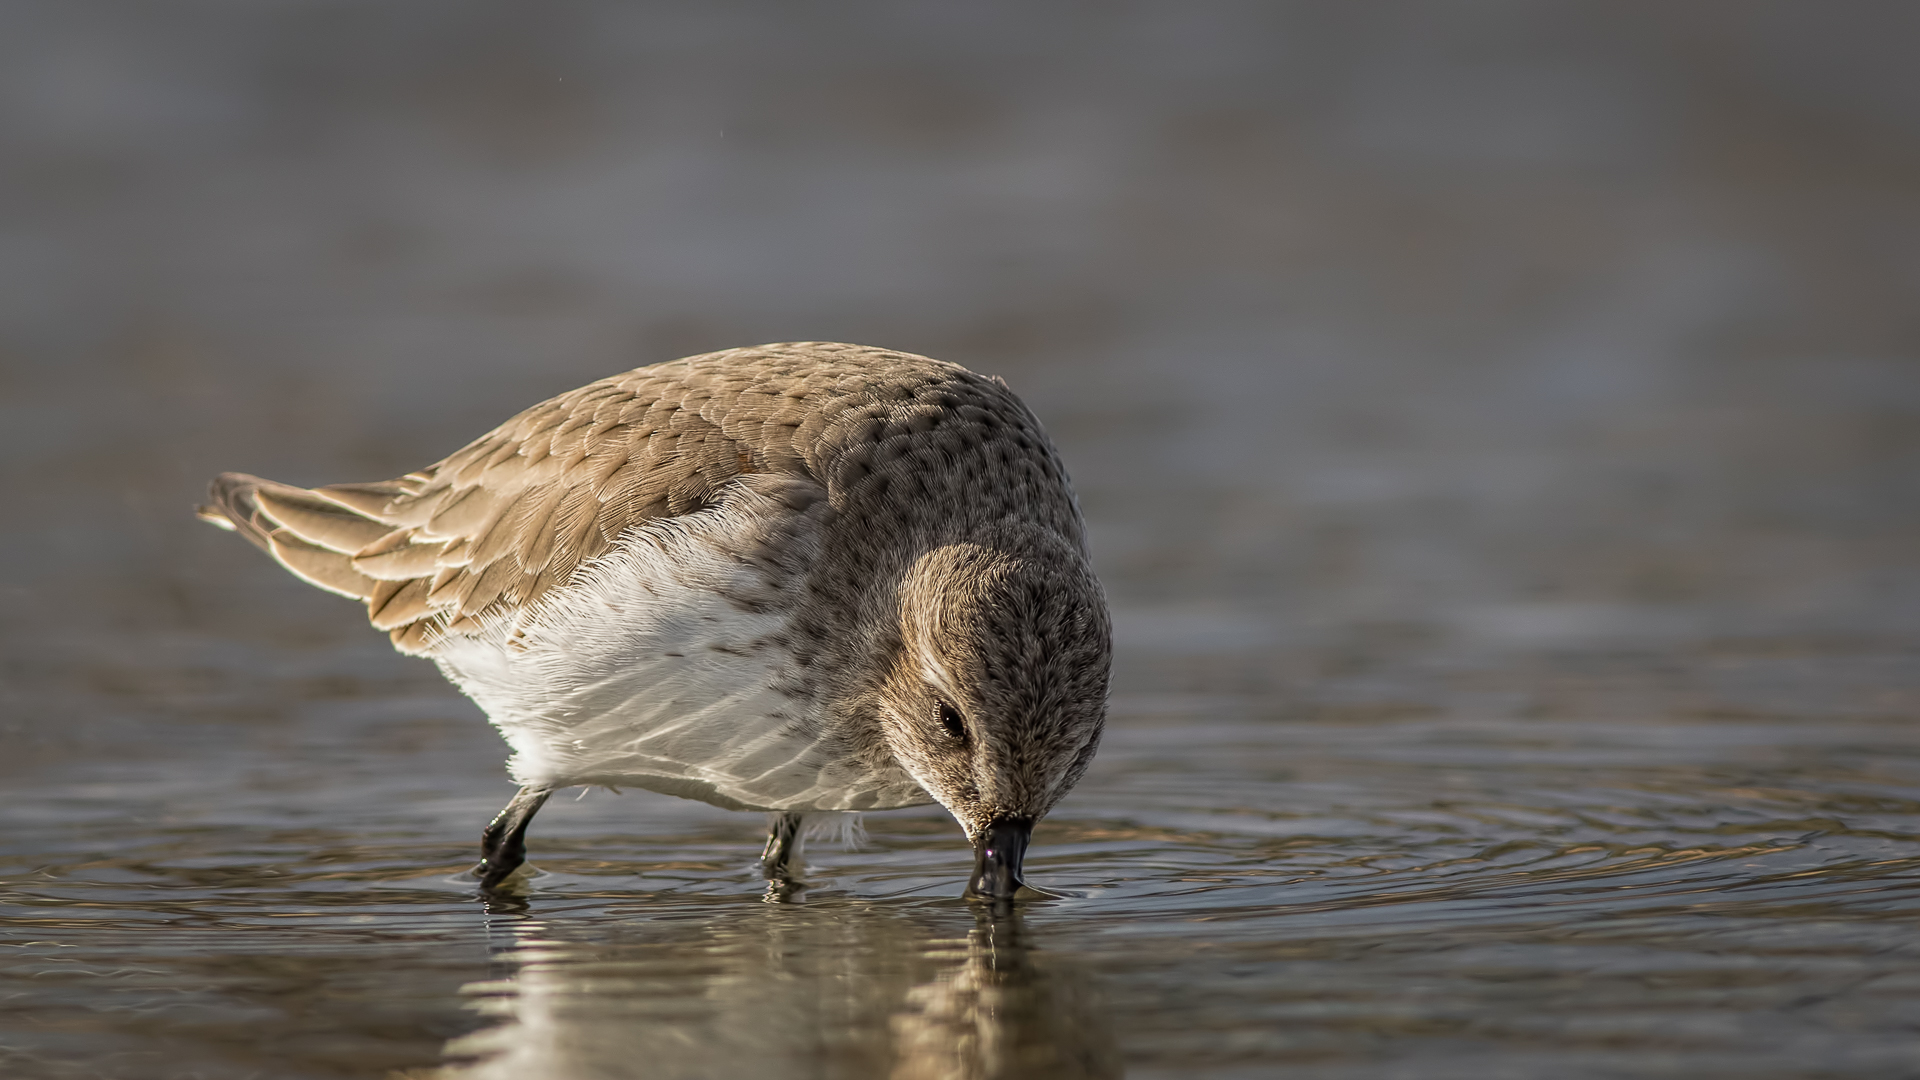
point(829, 989)
point(1002, 1012)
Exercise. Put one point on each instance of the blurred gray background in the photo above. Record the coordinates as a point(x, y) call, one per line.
point(1498, 424)
point(1373, 333)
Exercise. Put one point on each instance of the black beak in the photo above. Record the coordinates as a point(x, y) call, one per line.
point(997, 853)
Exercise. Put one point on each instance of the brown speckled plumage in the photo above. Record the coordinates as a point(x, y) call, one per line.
point(515, 512)
point(948, 525)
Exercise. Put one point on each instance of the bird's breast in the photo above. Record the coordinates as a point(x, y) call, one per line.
point(673, 663)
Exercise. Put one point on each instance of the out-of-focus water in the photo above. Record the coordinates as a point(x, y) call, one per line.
point(1499, 428)
point(1358, 892)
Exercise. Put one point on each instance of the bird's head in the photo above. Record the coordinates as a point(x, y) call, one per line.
point(997, 697)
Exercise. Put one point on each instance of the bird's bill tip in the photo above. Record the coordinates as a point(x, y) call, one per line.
point(998, 852)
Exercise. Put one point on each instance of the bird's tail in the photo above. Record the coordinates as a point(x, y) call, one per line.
point(306, 532)
point(234, 508)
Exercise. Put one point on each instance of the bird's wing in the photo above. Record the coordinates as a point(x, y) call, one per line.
point(513, 514)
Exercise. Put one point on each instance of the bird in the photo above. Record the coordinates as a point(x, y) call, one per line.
point(804, 579)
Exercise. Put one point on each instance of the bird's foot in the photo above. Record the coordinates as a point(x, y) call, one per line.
point(503, 847)
point(780, 859)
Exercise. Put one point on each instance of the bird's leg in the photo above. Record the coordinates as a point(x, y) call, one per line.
point(503, 847)
point(780, 860)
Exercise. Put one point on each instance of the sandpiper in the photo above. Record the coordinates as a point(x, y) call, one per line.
point(797, 578)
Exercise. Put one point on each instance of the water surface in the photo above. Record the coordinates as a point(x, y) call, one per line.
point(1498, 428)
point(1336, 894)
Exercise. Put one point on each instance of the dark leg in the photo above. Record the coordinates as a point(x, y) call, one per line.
point(503, 847)
point(779, 861)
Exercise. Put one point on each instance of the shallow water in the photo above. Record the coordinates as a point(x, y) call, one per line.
point(1245, 893)
point(1499, 435)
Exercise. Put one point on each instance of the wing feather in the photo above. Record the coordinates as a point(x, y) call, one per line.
point(519, 510)
point(409, 560)
point(320, 522)
point(463, 515)
point(329, 570)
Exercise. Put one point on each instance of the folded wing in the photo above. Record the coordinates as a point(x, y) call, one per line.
point(508, 517)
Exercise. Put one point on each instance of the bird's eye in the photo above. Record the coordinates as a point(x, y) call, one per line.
point(950, 719)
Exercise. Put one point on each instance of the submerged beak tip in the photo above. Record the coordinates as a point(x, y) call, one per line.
point(999, 850)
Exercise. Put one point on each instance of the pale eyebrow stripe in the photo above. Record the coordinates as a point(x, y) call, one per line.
point(935, 673)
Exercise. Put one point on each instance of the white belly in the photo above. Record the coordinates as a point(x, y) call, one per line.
point(641, 671)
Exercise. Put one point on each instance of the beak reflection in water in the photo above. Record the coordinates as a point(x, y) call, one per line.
point(831, 989)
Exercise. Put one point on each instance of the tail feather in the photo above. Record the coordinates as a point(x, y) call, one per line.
point(318, 521)
point(330, 570)
point(233, 507)
point(304, 532)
